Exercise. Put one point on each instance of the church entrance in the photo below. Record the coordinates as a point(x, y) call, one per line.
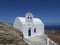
point(29, 32)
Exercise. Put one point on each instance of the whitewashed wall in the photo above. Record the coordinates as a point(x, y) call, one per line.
point(24, 28)
point(17, 24)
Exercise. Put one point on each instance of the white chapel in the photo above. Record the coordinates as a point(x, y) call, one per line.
point(29, 25)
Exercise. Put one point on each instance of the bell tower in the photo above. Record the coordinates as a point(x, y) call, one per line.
point(29, 17)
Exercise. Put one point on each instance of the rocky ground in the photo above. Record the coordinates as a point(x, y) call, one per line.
point(40, 40)
point(10, 36)
point(53, 35)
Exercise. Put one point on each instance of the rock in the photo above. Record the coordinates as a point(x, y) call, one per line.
point(10, 36)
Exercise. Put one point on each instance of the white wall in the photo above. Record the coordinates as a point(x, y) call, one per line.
point(25, 32)
point(40, 29)
point(24, 28)
point(17, 24)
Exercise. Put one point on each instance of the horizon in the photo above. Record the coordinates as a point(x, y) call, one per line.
point(47, 10)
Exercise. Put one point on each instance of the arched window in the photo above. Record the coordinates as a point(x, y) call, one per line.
point(29, 31)
point(34, 30)
point(28, 17)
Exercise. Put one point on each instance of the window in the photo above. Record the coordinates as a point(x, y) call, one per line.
point(34, 30)
point(28, 17)
point(29, 32)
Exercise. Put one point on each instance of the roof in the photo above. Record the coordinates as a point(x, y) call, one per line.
point(35, 20)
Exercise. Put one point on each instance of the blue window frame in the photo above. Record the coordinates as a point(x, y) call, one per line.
point(29, 32)
point(34, 30)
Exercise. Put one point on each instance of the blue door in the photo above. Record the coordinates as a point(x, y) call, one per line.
point(29, 32)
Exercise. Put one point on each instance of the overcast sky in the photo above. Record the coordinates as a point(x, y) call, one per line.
point(47, 10)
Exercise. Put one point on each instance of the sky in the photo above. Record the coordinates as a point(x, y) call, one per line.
point(47, 10)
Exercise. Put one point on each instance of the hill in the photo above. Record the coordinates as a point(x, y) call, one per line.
point(53, 35)
point(10, 35)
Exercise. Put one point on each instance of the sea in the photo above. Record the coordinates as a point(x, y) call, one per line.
point(52, 27)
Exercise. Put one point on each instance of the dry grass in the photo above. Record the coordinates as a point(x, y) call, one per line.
point(54, 35)
point(10, 35)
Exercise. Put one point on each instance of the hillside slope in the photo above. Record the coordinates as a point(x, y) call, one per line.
point(40, 40)
point(10, 35)
point(54, 35)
